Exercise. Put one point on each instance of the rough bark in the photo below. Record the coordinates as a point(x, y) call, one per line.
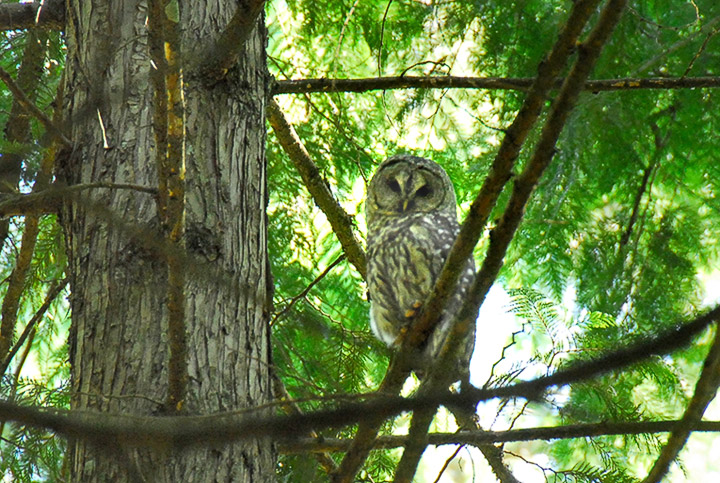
point(118, 340)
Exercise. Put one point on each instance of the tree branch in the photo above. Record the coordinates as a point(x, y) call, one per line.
point(481, 438)
point(466, 418)
point(705, 391)
point(32, 109)
point(339, 220)
point(48, 200)
point(415, 444)
point(169, 130)
point(182, 431)
point(308, 86)
point(290, 407)
point(17, 127)
point(18, 16)
point(500, 171)
point(19, 275)
point(16, 285)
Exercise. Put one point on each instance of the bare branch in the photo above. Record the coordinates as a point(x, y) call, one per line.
point(477, 438)
point(18, 16)
point(49, 200)
point(467, 420)
point(338, 218)
point(169, 131)
point(415, 444)
point(501, 169)
point(16, 285)
point(308, 86)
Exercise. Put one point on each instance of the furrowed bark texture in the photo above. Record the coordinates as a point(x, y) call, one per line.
point(118, 339)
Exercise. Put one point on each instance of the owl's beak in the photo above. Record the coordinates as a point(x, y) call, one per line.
point(405, 204)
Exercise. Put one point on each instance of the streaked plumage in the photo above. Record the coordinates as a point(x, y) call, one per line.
point(412, 223)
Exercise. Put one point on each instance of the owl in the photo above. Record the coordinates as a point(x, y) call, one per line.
point(412, 223)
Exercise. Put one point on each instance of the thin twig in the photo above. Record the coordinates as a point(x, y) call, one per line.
point(307, 289)
point(52, 294)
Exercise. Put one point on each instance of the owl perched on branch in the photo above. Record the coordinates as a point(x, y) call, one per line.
point(412, 223)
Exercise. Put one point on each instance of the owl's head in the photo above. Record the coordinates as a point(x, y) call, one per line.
point(405, 184)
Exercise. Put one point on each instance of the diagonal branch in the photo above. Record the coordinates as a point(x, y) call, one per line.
point(19, 275)
point(415, 444)
point(501, 169)
point(705, 391)
point(16, 284)
point(324, 85)
point(525, 184)
point(338, 218)
point(32, 109)
point(52, 294)
point(470, 232)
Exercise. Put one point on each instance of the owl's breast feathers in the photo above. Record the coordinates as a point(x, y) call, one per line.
point(405, 256)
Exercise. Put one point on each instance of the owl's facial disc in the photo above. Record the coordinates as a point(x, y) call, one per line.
point(402, 187)
point(404, 184)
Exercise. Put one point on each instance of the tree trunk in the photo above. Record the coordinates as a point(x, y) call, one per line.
point(118, 341)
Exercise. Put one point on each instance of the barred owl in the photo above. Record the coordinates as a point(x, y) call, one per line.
point(412, 224)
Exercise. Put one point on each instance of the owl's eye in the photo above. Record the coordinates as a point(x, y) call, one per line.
point(424, 191)
point(393, 185)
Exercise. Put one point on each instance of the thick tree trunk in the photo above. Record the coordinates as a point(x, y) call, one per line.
point(118, 340)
